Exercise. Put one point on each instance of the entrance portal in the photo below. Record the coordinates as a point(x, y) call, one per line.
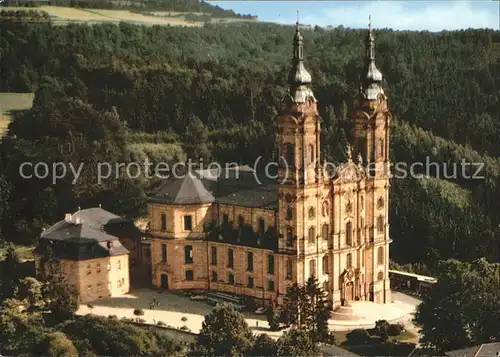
point(349, 291)
point(164, 281)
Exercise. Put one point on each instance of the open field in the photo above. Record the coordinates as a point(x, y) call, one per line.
point(10, 102)
point(66, 15)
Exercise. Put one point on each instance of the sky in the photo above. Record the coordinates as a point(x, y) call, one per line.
point(398, 15)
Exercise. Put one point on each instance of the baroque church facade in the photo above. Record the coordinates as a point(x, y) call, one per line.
point(236, 235)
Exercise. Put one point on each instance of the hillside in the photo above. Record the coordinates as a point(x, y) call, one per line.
point(213, 92)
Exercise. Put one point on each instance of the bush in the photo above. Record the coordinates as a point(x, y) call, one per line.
point(161, 323)
point(184, 328)
point(113, 317)
point(381, 326)
point(358, 336)
point(139, 312)
point(184, 319)
point(395, 329)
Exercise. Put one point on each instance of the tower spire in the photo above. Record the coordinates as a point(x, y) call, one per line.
point(299, 78)
point(372, 78)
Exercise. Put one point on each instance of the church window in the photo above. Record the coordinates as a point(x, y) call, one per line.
point(380, 147)
point(289, 237)
point(163, 222)
point(380, 224)
point(348, 207)
point(325, 209)
point(312, 235)
point(289, 213)
point(311, 153)
point(380, 202)
point(312, 212)
point(324, 231)
point(325, 264)
point(348, 233)
point(380, 255)
point(312, 268)
point(230, 258)
point(289, 268)
point(188, 254)
point(349, 260)
point(164, 253)
point(262, 226)
point(290, 156)
point(188, 223)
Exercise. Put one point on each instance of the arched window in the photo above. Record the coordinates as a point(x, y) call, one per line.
point(289, 213)
point(380, 255)
point(311, 153)
point(290, 155)
point(380, 224)
point(348, 233)
point(163, 222)
point(349, 260)
point(325, 209)
point(380, 202)
point(312, 235)
point(289, 237)
point(325, 264)
point(380, 147)
point(324, 231)
point(380, 276)
point(312, 268)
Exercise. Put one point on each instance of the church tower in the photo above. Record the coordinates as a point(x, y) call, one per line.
point(300, 178)
point(371, 118)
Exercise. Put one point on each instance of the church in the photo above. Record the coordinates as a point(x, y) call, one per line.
point(255, 238)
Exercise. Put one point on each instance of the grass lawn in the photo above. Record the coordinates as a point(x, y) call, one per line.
point(65, 15)
point(10, 102)
point(25, 252)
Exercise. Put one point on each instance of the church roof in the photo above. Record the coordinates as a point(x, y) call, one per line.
point(183, 191)
point(236, 186)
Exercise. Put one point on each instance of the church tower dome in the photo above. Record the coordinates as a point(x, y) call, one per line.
point(372, 78)
point(299, 78)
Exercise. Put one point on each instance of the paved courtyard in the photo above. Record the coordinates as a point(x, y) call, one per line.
point(173, 307)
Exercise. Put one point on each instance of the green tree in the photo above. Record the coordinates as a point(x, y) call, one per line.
point(297, 343)
point(264, 345)
point(306, 307)
point(61, 299)
point(224, 333)
point(10, 269)
point(463, 307)
point(57, 344)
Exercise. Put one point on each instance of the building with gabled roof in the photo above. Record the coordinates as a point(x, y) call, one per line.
point(90, 249)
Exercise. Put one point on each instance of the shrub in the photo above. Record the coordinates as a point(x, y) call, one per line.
point(381, 326)
point(184, 328)
point(184, 319)
point(395, 329)
point(113, 317)
point(139, 312)
point(161, 323)
point(358, 336)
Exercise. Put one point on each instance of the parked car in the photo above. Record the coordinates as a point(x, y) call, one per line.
point(261, 311)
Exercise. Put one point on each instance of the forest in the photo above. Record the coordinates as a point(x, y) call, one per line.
point(123, 93)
